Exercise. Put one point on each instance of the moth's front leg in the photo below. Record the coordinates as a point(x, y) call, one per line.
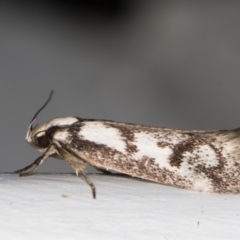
point(36, 164)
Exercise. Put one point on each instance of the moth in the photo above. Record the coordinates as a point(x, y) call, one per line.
point(207, 161)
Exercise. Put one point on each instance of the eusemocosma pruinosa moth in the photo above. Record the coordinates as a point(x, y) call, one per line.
point(207, 161)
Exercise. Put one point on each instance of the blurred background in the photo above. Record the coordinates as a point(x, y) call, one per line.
point(163, 63)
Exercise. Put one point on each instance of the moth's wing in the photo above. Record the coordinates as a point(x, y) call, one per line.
point(189, 159)
point(122, 147)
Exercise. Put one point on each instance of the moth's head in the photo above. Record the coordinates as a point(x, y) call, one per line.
point(39, 137)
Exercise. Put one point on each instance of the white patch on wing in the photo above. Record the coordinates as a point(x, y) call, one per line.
point(202, 184)
point(207, 155)
point(62, 136)
point(147, 145)
point(100, 133)
point(187, 171)
point(204, 155)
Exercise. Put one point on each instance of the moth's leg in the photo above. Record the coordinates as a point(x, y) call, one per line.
point(77, 163)
point(102, 170)
point(36, 164)
point(89, 182)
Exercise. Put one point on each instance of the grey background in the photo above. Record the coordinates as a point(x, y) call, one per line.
point(162, 63)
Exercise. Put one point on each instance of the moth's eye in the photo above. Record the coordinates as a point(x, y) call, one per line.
point(42, 142)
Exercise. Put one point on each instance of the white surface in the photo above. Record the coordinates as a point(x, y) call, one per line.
point(61, 206)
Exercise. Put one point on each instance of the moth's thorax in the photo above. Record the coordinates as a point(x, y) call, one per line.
point(39, 132)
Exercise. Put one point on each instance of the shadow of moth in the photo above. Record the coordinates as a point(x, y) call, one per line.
point(205, 161)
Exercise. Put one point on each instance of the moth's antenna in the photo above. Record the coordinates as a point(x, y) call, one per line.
point(44, 105)
point(30, 128)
